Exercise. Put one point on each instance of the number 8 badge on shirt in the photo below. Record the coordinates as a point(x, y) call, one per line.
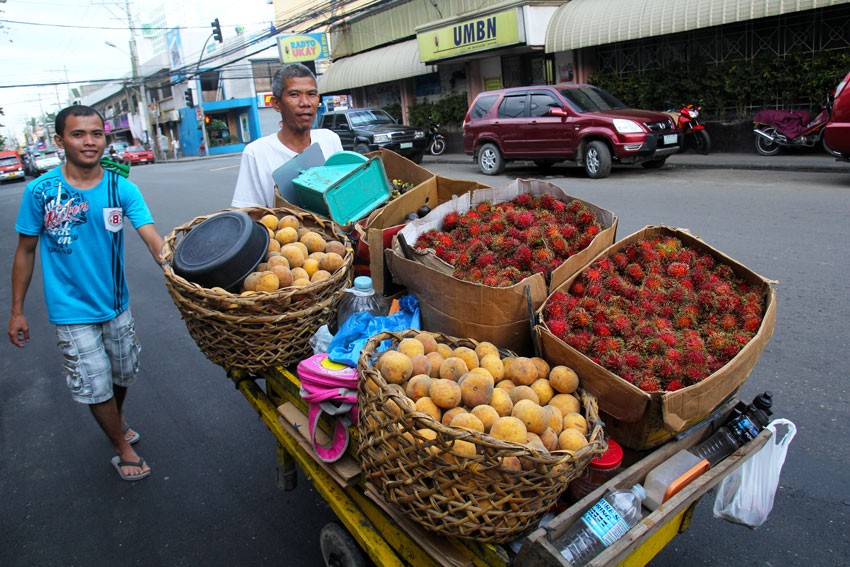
point(113, 219)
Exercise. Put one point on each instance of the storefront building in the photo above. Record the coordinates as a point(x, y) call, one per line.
point(635, 36)
point(416, 50)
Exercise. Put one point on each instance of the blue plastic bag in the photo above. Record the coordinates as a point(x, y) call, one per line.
point(346, 345)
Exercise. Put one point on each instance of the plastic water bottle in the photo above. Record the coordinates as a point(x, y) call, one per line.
point(606, 522)
point(362, 297)
point(743, 426)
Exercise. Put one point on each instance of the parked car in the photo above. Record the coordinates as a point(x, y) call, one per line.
point(365, 130)
point(41, 161)
point(11, 167)
point(553, 123)
point(836, 136)
point(138, 154)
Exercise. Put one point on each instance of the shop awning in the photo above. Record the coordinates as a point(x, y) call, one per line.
point(584, 23)
point(391, 63)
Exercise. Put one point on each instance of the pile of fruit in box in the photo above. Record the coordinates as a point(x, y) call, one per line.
point(499, 245)
point(659, 314)
point(515, 399)
point(399, 188)
point(297, 257)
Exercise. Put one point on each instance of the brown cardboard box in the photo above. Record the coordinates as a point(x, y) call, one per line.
point(496, 314)
point(385, 222)
point(398, 167)
point(642, 420)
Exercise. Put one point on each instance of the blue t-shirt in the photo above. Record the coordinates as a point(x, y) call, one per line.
point(82, 243)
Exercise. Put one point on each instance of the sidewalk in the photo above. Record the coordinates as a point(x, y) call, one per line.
point(803, 161)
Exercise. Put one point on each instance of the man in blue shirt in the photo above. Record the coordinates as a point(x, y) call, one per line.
point(76, 214)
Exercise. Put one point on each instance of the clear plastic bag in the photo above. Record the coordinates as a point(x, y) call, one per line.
point(321, 340)
point(746, 495)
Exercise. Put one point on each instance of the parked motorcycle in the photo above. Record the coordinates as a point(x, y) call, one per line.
point(687, 120)
point(777, 129)
point(438, 141)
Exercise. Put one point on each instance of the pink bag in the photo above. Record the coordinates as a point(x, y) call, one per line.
point(329, 388)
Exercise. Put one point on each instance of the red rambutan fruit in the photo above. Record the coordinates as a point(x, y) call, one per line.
point(674, 384)
point(525, 200)
point(677, 270)
point(635, 272)
point(568, 231)
point(621, 325)
point(558, 327)
point(451, 221)
point(632, 359)
point(649, 384)
point(579, 318)
point(601, 329)
point(751, 323)
point(593, 290)
point(579, 340)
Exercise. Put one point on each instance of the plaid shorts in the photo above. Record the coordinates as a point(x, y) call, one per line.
point(98, 356)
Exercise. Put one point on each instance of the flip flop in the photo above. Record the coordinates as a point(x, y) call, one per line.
point(118, 463)
point(135, 438)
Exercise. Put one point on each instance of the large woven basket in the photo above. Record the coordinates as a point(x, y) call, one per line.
point(468, 497)
point(266, 328)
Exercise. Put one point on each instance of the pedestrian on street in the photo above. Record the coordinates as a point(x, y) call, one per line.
point(75, 215)
point(175, 145)
point(295, 95)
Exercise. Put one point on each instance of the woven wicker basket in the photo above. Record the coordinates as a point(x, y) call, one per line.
point(266, 328)
point(469, 497)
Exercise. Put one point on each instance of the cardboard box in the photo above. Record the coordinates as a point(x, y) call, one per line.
point(642, 420)
point(383, 224)
point(501, 315)
point(399, 167)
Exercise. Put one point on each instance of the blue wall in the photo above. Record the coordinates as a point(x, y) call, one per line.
point(191, 134)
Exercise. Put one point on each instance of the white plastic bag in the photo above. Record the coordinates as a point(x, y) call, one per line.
point(746, 495)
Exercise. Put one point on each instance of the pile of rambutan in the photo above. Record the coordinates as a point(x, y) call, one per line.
point(659, 314)
point(499, 245)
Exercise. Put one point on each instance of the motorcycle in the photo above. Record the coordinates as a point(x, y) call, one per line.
point(687, 120)
point(438, 141)
point(775, 129)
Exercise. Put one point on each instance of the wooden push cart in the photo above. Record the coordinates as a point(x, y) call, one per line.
point(375, 529)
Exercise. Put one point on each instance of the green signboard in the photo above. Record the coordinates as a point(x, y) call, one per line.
point(471, 35)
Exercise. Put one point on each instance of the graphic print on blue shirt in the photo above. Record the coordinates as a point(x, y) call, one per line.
point(64, 209)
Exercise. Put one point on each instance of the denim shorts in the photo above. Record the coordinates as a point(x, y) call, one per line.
point(99, 355)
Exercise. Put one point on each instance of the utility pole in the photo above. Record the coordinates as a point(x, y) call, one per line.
point(144, 112)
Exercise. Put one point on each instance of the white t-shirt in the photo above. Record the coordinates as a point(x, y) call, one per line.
point(255, 184)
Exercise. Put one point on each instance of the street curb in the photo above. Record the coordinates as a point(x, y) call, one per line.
point(745, 162)
point(812, 164)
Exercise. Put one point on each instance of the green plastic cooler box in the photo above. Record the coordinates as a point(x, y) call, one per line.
point(347, 188)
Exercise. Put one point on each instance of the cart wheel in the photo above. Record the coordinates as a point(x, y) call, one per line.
point(339, 549)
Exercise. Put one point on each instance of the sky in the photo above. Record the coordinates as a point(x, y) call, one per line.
point(49, 41)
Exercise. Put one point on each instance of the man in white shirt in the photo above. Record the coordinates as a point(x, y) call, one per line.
point(296, 96)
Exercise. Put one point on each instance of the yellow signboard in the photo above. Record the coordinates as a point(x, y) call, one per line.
point(303, 47)
point(472, 35)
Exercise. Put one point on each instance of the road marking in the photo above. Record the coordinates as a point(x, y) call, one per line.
point(228, 167)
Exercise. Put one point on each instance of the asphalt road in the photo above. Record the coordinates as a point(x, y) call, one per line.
point(212, 497)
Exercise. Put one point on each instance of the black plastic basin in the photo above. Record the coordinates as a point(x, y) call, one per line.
point(222, 250)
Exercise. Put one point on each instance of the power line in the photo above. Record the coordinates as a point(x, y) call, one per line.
point(120, 28)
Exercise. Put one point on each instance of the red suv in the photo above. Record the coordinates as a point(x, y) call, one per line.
point(836, 136)
point(553, 123)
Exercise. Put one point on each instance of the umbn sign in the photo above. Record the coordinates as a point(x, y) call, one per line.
point(469, 36)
